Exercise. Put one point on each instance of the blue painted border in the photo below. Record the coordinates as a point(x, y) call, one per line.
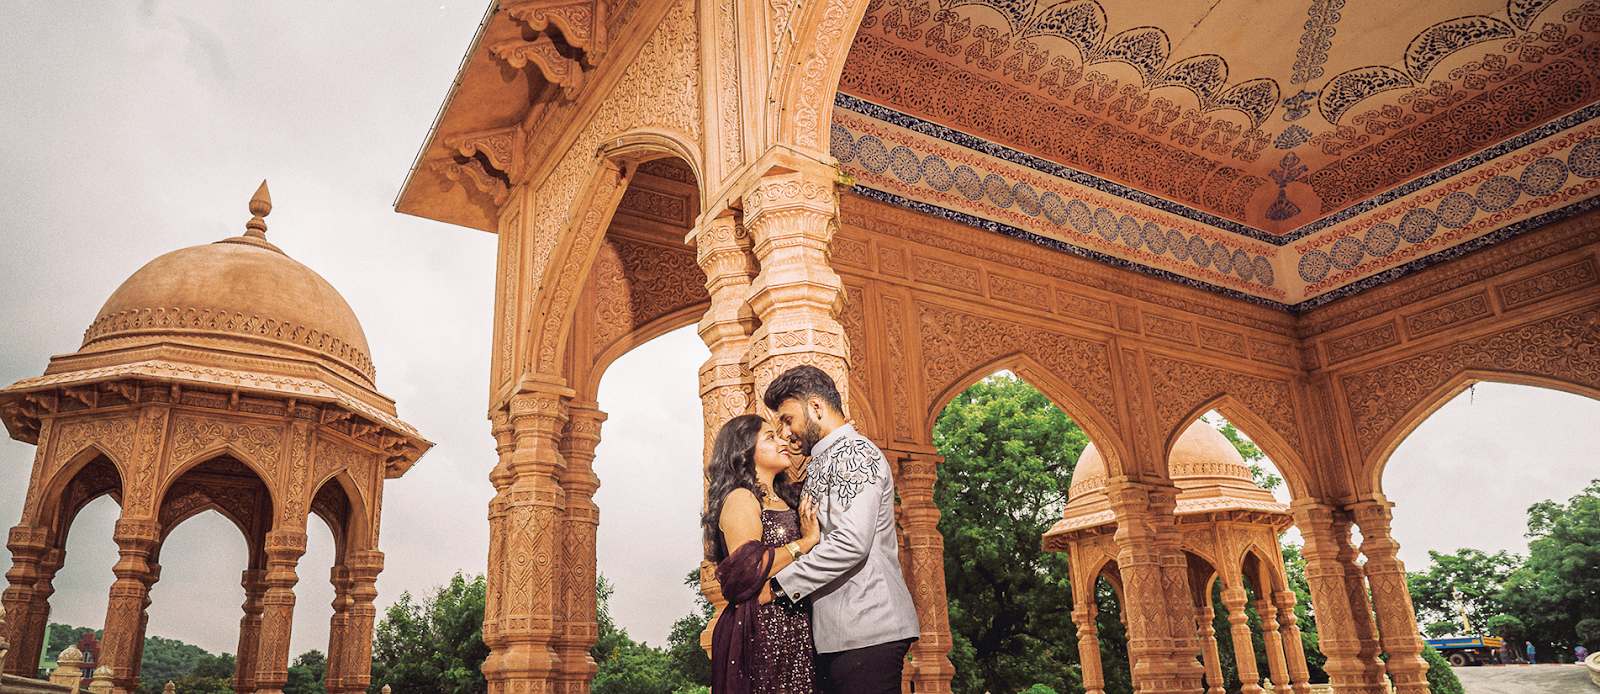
point(1351, 289)
point(1451, 253)
point(1057, 245)
point(977, 144)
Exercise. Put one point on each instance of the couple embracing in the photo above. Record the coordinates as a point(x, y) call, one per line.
point(810, 568)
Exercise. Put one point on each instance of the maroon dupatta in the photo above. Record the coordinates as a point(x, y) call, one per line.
point(742, 575)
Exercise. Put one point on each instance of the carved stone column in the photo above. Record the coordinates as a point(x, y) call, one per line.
point(579, 629)
point(500, 477)
point(284, 549)
point(244, 672)
point(1161, 643)
point(930, 667)
point(1203, 618)
point(527, 551)
point(338, 629)
point(1327, 537)
point(1083, 615)
point(1244, 650)
point(136, 542)
point(21, 598)
point(1293, 646)
point(727, 388)
point(151, 577)
point(355, 655)
point(797, 295)
point(1277, 669)
point(1397, 619)
point(1355, 587)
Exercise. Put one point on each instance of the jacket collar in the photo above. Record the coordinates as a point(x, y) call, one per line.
point(834, 437)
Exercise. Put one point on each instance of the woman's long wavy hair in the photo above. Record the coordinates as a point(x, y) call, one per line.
point(733, 466)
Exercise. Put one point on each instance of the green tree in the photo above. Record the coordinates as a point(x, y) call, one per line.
point(435, 645)
point(626, 666)
point(306, 674)
point(1003, 439)
point(1557, 586)
point(1477, 576)
point(683, 643)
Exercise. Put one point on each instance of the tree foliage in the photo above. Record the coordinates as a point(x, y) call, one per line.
point(1558, 586)
point(1476, 575)
point(435, 645)
point(1009, 454)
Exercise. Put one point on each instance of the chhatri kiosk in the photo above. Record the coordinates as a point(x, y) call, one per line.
point(1144, 209)
point(221, 377)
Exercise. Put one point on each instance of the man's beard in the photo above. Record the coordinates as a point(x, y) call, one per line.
point(810, 435)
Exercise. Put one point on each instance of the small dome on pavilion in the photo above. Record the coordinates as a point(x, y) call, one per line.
point(1204, 465)
point(235, 317)
point(242, 292)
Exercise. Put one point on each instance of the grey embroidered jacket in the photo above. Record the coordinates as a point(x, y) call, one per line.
point(859, 597)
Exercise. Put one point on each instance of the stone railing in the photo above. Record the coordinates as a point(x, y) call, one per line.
point(1592, 663)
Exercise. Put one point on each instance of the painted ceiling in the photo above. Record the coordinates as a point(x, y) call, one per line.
point(1284, 152)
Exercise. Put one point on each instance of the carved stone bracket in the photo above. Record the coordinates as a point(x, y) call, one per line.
point(472, 175)
point(500, 148)
point(543, 54)
point(582, 23)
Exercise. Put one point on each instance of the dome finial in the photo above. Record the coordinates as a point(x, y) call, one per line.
point(260, 206)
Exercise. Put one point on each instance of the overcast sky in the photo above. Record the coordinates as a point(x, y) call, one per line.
point(134, 129)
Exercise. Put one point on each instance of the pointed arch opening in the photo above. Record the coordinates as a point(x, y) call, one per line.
point(1016, 466)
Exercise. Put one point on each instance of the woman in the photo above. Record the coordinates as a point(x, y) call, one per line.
point(754, 526)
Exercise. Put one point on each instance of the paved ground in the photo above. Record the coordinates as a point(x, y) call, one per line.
point(1526, 679)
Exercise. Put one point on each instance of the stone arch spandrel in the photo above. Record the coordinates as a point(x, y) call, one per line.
point(1387, 402)
point(196, 439)
point(652, 110)
point(956, 344)
point(49, 489)
point(1066, 398)
point(1184, 390)
point(641, 290)
point(1378, 461)
point(810, 43)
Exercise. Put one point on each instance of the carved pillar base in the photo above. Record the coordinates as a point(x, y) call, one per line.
point(244, 671)
point(1327, 544)
point(1244, 650)
point(1397, 619)
point(579, 629)
point(136, 542)
point(1212, 660)
point(1293, 646)
point(525, 547)
point(338, 628)
point(355, 654)
point(1161, 646)
point(1277, 668)
point(1083, 615)
point(284, 549)
point(930, 669)
point(22, 599)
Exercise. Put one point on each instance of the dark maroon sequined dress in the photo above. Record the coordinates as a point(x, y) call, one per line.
point(783, 649)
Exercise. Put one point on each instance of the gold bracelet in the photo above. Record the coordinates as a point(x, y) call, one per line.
point(794, 550)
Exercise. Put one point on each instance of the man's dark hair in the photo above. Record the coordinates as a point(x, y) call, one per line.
point(802, 382)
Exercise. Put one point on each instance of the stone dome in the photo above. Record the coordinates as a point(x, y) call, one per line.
point(1208, 471)
point(242, 290)
point(242, 294)
point(1201, 456)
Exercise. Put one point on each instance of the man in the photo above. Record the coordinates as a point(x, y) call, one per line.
point(863, 620)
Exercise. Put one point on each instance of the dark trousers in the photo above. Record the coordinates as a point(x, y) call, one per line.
point(869, 670)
